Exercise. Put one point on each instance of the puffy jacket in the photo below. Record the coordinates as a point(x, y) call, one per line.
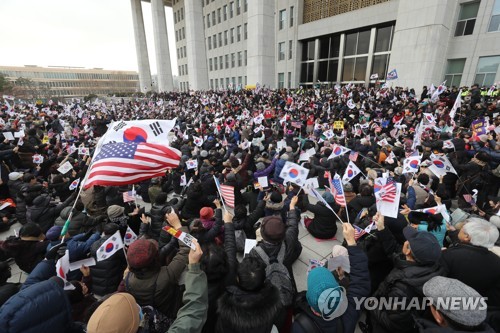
point(246, 223)
point(44, 213)
point(41, 307)
point(277, 170)
point(14, 187)
point(324, 224)
point(106, 274)
point(406, 280)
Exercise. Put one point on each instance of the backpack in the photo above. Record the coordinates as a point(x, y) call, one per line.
point(278, 274)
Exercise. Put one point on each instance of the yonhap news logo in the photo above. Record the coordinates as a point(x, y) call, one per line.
point(332, 303)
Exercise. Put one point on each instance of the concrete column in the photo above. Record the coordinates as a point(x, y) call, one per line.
point(141, 47)
point(316, 62)
point(195, 46)
point(371, 49)
point(261, 43)
point(341, 58)
point(165, 81)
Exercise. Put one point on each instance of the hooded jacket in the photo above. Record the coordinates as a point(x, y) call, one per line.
point(26, 253)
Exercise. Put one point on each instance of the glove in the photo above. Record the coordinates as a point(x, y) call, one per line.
point(56, 252)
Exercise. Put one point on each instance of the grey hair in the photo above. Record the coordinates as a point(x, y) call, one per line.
point(481, 232)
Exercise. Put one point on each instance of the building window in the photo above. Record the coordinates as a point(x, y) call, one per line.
point(214, 39)
point(467, 19)
point(281, 80)
point(211, 83)
point(282, 18)
point(232, 60)
point(208, 20)
point(245, 31)
point(487, 68)
point(289, 80)
point(281, 51)
point(231, 9)
point(290, 49)
point(245, 5)
point(357, 43)
point(183, 33)
point(225, 37)
point(186, 69)
point(218, 16)
point(238, 7)
point(291, 16)
point(232, 35)
point(220, 62)
point(226, 58)
point(175, 17)
point(355, 69)
point(380, 65)
point(220, 39)
point(454, 71)
point(245, 57)
point(182, 13)
point(216, 83)
point(215, 64)
point(238, 33)
point(209, 42)
point(227, 82)
point(176, 36)
point(185, 53)
point(308, 50)
point(495, 17)
point(213, 17)
point(240, 59)
point(225, 12)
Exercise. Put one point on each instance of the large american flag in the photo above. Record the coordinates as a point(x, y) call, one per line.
point(126, 163)
point(337, 190)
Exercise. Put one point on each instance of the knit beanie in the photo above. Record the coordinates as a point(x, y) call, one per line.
point(117, 314)
point(206, 213)
point(260, 166)
point(273, 229)
point(319, 280)
point(142, 253)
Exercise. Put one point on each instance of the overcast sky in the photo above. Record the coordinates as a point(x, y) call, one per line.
point(84, 33)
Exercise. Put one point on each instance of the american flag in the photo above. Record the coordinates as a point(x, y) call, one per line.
point(353, 156)
point(227, 193)
point(358, 232)
point(387, 192)
point(128, 196)
point(125, 163)
point(338, 190)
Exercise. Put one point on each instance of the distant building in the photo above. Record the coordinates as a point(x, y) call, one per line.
point(68, 82)
point(287, 43)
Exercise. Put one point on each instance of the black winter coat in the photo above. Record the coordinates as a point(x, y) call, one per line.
point(44, 213)
point(324, 224)
point(475, 266)
point(106, 274)
point(405, 280)
point(246, 223)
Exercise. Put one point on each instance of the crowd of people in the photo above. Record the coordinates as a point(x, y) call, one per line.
point(440, 244)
